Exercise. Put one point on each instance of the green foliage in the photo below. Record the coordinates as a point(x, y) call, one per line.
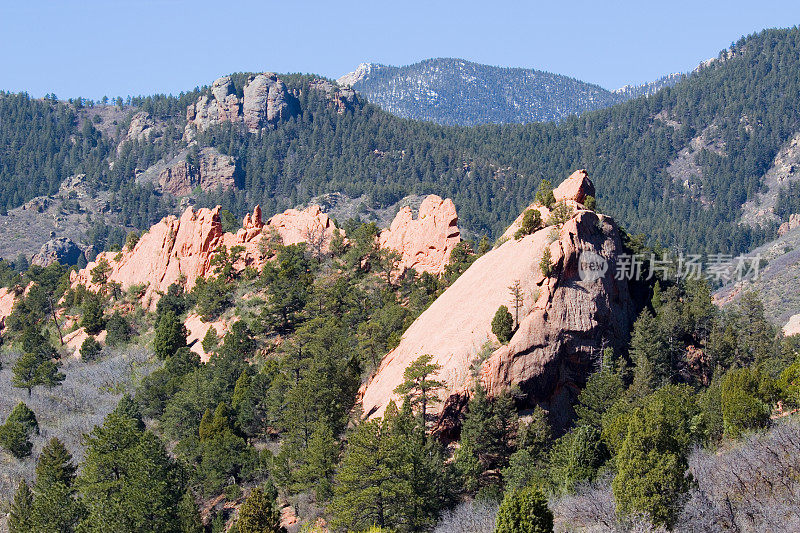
point(90, 349)
point(391, 476)
point(528, 464)
point(559, 214)
point(531, 221)
point(487, 439)
point(128, 482)
point(210, 340)
point(14, 439)
point(789, 384)
point(576, 457)
point(546, 263)
point(288, 280)
point(31, 370)
point(213, 297)
point(259, 514)
point(418, 386)
point(524, 511)
point(92, 320)
point(603, 389)
point(652, 457)
point(544, 194)
point(590, 203)
point(55, 507)
point(19, 516)
point(746, 397)
point(22, 414)
point(503, 324)
point(170, 335)
point(118, 328)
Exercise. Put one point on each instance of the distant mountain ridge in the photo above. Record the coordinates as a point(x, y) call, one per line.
point(453, 91)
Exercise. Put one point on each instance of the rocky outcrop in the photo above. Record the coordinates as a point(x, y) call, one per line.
point(786, 227)
point(211, 171)
point(424, 243)
point(141, 128)
point(572, 191)
point(565, 320)
point(180, 250)
point(342, 98)
point(61, 250)
point(310, 225)
point(197, 329)
point(265, 101)
point(7, 300)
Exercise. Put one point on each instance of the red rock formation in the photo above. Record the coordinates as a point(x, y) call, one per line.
point(180, 250)
point(213, 171)
point(424, 243)
point(7, 300)
point(565, 321)
point(197, 329)
point(575, 188)
point(310, 225)
point(794, 221)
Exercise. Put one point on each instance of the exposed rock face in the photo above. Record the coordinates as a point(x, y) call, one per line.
point(7, 300)
point(794, 221)
point(575, 188)
point(212, 170)
point(197, 329)
point(792, 327)
point(180, 250)
point(565, 321)
point(572, 191)
point(62, 250)
point(265, 101)
point(142, 127)
point(342, 98)
point(425, 243)
point(310, 225)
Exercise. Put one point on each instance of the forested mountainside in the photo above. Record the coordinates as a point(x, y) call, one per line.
point(686, 157)
point(455, 92)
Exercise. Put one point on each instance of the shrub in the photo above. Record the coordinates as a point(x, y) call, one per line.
point(524, 511)
point(119, 331)
point(531, 221)
point(14, 439)
point(503, 324)
point(560, 213)
point(92, 320)
point(590, 203)
point(90, 349)
point(545, 264)
point(544, 194)
point(745, 401)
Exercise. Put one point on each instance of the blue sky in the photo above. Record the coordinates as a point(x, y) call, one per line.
point(117, 47)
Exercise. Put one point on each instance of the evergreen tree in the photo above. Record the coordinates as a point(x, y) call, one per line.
point(188, 515)
point(602, 390)
point(170, 335)
point(55, 507)
point(19, 516)
point(92, 320)
point(524, 511)
point(503, 324)
point(23, 415)
point(259, 515)
point(128, 481)
point(417, 384)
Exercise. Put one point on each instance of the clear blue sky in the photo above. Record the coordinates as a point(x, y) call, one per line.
point(116, 47)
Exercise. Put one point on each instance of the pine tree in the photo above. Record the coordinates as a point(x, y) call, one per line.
point(19, 516)
point(128, 482)
point(55, 507)
point(417, 384)
point(259, 515)
point(22, 414)
point(170, 335)
point(188, 515)
point(503, 324)
point(524, 511)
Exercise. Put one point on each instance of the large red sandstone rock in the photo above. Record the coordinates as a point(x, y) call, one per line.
point(310, 225)
point(564, 322)
point(180, 250)
point(575, 188)
point(424, 243)
point(7, 300)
